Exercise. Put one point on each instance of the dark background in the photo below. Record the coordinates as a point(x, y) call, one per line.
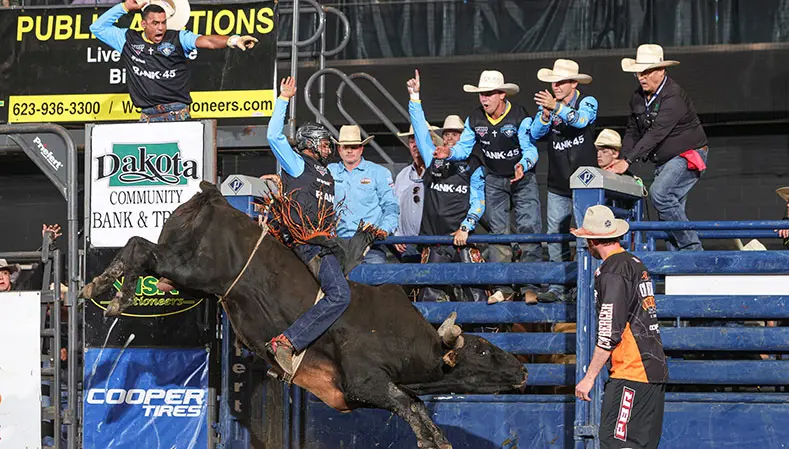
point(734, 66)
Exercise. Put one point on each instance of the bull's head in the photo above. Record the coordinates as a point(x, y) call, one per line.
point(474, 365)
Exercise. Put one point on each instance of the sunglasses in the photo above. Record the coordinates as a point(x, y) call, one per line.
point(416, 195)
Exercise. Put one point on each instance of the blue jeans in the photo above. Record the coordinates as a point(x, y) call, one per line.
point(319, 318)
point(559, 213)
point(375, 254)
point(170, 112)
point(500, 197)
point(669, 193)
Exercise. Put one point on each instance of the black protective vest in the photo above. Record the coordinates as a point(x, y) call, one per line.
point(498, 144)
point(447, 195)
point(156, 73)
point(570, 148)
point(313, 190)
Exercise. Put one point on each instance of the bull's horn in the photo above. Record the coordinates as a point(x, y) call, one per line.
point(447, 324)
point(450, 337)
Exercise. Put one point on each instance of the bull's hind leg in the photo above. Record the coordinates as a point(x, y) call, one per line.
point(137, 258)
point(388, 396)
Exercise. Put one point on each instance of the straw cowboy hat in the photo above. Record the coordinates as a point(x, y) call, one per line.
point(600, 223)
point(563, 69)
point(176, 11)
point(609, 138)
point(783, 192)
point(648, 56)
point(491, 80)
point(452, 123)
point(437, 140)
point(351, 135)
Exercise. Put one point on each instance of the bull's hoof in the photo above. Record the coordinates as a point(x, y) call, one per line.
point(87, 291)
point(113, 309)
point(116, 306)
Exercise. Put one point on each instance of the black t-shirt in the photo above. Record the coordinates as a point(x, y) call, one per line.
point(447, 195)
point(498, 143)
point(156, 73)
point(628, 325)
point(570, 148)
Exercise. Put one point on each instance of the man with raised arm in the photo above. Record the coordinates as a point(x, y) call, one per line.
point(155, 59)
point(502, 130)
point(454, 200)
point(307, 182)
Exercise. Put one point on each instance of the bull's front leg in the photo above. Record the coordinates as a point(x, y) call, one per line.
point(388, 396)
point(137, 258)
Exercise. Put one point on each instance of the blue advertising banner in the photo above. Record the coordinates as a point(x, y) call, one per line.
point(145, 398)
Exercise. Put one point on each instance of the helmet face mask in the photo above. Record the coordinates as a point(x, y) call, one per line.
point(316, 138)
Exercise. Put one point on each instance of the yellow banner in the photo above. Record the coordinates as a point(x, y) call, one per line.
point(118, 107)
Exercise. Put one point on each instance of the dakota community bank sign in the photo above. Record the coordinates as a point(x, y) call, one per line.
point(140, 173)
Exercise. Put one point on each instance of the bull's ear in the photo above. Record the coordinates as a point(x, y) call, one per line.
point(460, 342)
point(450, 358)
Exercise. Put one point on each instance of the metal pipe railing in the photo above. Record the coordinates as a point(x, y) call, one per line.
point(366, 100)
point(294, 59)
point(346, 36)
point(708, 225)
point(295, 10)
point(71, 417)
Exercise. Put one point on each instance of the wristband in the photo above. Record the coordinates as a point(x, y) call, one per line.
point(414, 96)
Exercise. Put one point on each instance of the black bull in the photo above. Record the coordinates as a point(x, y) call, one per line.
point(380, 354)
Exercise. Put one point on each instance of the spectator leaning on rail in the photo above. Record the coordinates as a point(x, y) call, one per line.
point(663, 128)
point(454, 200)
point(567, 116)
point(502, 130)
point(608, 144)
point(365, 191)
point(628, 334)
point(155, 59)
point(783, 192)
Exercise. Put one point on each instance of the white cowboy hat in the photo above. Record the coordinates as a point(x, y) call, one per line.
point(452, 123)
point(351, 135)
point(648, 56)
point(783, 192)
point(609, 138)
point(176, 11)
point(437, 140)
point(12, 267)
point(491, 80)
point(600, 223)
point(563, 69)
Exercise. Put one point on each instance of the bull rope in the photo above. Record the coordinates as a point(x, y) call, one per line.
point(249, 260)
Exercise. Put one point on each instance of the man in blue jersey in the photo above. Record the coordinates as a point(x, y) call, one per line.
point(502, 131)
point(155, 59)
point(454, 201)
point(567, 117)
point(306, 178)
